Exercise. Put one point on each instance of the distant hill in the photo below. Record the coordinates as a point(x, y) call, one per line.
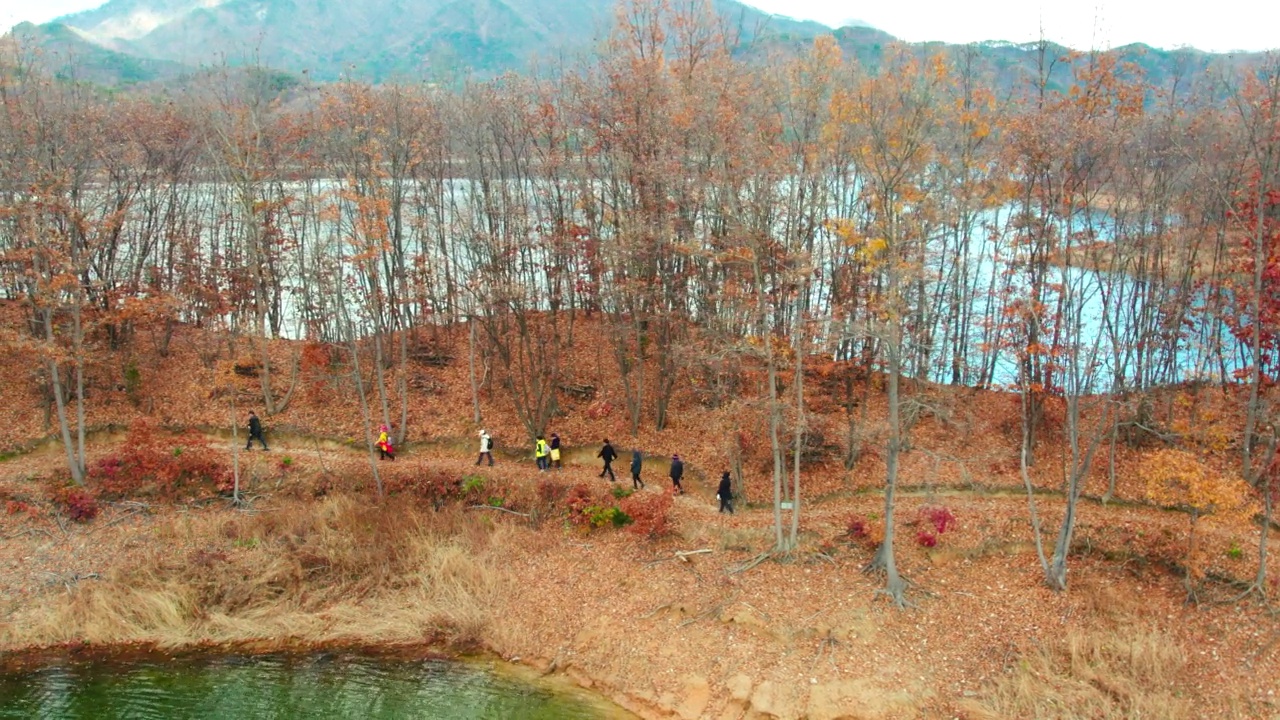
point(370, 39)
point(136, 41)
point(71, 56)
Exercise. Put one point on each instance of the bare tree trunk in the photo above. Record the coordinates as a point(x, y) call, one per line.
point(78, 342)
point(235, 451)
point(471, 368)
point(402, 386)
point(780, 544)
point(1111, 462)
point(73, 456)
point(364, 408)
point(895, 587)
point(1268, 505)
point(798, 347)
point(1023, 468)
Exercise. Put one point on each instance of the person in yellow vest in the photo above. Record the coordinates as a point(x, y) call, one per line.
point(540, 452)
point(555, 451)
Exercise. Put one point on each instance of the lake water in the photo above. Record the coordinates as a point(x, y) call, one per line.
point(320, 686)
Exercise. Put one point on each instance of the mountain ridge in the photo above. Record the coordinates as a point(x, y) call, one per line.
point(126, 42)
point(369, 39)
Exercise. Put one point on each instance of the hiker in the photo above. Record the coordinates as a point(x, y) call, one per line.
point(677, 472)
point(540, 452)
point(486, 448)
point(255, 431)
point(607, 453)
point(555, 451)
point(725, 493)
point(385, 448)
point(636, 463)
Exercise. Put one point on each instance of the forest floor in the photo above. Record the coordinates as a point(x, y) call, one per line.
point(315, 559)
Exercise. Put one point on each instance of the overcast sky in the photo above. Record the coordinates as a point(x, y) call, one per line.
point(1220, 26)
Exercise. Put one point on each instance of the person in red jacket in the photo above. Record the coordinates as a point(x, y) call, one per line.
point(385, 448)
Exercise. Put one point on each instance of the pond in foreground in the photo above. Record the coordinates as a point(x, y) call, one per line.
point(320, 686)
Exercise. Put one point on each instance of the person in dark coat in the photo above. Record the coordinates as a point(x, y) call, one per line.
point(555, 452)
point(677, 472)
point(607, 454)
point(255, 431)
point(725, 493)
point(636, 463)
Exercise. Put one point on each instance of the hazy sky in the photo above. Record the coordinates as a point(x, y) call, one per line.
point(1221, 25)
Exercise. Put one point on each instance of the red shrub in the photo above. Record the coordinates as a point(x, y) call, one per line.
point(577, 500)
point(926, 538)
point(79, 504)
point(857, 527)
point(941, 518)
point(19, 507)
point(650, 513)
point(436, 488)
point(550, 493)
point(160, 464)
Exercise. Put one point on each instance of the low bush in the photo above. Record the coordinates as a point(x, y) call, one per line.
point(607, 515)
point(163, 465)
point(650, 514)
point(431, 487)
point(550, 493)
point(76, 503)
point(941, 518)
point(577, 500)
point(857, 527)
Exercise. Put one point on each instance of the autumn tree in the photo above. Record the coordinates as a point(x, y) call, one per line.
point(245, 141)
point(893, 117)
point(1256, 323)
point(1178, 478)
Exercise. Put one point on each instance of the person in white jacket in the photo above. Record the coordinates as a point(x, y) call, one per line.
point(486, 448)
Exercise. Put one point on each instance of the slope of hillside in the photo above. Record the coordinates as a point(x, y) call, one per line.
point(499, 562)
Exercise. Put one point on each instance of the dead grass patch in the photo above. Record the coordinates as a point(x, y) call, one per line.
point(337, 570)
point(1096, 674)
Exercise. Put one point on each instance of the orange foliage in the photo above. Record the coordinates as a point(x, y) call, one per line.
point(1180, 479)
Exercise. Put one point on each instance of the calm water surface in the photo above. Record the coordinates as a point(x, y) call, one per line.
point(323, 686)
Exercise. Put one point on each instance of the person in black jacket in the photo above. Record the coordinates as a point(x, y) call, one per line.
point(677, 472)
point(255, 431)
point(636, 463)
point(607, 454)
point(725, 493)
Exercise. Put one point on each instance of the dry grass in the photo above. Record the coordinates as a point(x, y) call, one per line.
point(1127, 675)
point(333, 571)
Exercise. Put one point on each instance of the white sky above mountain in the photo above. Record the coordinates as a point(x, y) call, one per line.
point(1220, 26)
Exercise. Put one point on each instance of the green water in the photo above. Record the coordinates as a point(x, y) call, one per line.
point(281, 688)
